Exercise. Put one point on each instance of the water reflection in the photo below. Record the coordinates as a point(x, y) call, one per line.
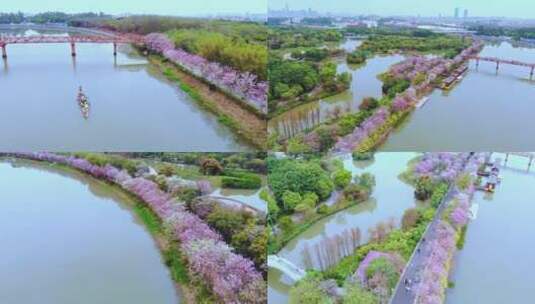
point(485, 111)
point(390, 198)
point(499, 239)
point(94, 250)
point(132, 109)
point(364, 83)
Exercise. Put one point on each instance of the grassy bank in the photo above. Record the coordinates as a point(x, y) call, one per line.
point(247, 124)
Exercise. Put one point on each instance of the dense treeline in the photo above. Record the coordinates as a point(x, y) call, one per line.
point(6, 18)
point(389, 31)
point(234, 51)
point(241, 45)
point(48, 17)
point(248, 161)
point(292, 37)
point(515, 33)
point(290, 79)
point(299, 67)
point(449, 46)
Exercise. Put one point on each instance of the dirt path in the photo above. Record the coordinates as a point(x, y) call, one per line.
point(245, 123)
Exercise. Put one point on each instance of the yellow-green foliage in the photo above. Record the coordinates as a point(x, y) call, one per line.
point(228, 50)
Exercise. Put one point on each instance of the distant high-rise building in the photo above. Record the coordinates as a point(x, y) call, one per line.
point(465, 15)
point(457, 12)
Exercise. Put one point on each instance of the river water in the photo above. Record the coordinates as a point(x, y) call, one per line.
point(496, 263)
point(486, 111)
point(390, 198)
point(364, 84)
point(67, 238)
point(133, 107)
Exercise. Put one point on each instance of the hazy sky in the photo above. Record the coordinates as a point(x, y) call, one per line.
point(484, 8)
point(165, 7)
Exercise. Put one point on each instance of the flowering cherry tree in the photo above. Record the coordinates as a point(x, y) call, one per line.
point(244, 85)
point(351, 141)
point(442, 166)
point(232, 277)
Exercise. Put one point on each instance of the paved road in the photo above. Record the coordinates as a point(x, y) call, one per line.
point(416, 263)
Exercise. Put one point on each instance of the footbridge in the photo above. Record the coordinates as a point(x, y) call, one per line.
point(499, 61)
point(232, 201)
point(288, 268)
point(530, 156)
point(72, 40)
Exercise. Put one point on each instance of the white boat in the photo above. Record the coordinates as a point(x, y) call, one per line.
point(422, 101)
point(473, 211)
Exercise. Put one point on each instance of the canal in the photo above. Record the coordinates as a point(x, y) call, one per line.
point(133, 107)
point(390, 198)
point(68, 238)
point(364, 83)
point(495, 265)
point(477, 111)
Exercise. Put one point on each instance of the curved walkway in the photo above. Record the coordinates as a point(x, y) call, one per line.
point(232, 201)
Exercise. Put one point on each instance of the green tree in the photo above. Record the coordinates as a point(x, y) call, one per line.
point(357, 295)
point(341, 178)
point(308, 291)
point(290, 199)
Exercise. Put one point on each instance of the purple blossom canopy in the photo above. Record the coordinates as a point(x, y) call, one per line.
point(243, 85)
point(231, 276)
point(351, 141)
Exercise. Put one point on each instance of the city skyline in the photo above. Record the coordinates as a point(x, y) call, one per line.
point(475, 8)
point(157, 7)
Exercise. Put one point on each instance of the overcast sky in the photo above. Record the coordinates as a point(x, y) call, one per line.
point(162, 7)
point(483, 8)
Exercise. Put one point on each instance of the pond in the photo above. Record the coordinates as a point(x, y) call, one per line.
point(132, 106)
point(68, 238)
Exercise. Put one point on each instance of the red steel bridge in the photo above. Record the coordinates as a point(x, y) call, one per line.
point(499, 61)
point(72, 40)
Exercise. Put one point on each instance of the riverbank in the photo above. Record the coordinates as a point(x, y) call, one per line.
point(428, 177)
point(279, 243)
point(246, 124)
point(197, 241)
point(169, 249)
point(507, 212)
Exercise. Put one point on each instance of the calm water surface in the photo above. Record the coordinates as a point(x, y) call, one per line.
point(390, 198)
point(67, 238)
point(486, 111)
point(495, 266)
point(364, 84)
point(133, 108)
